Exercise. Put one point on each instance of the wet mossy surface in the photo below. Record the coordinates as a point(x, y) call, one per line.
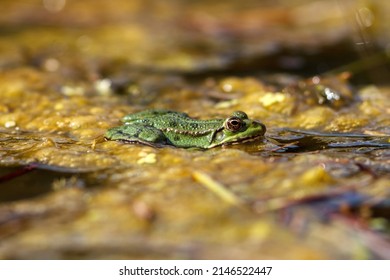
point(317, 183)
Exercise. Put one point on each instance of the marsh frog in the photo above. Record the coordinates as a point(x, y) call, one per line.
point(164, 127)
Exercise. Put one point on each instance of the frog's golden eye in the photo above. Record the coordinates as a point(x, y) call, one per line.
point(234, 124)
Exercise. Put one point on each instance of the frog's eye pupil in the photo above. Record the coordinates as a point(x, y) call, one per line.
point(234, 124)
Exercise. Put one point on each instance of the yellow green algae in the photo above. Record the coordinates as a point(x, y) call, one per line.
point(66, 78)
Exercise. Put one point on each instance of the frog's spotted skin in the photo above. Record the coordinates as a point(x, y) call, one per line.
point(165, 127)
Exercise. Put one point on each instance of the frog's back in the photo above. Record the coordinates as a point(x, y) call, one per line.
point(152, 114)
point(187, 125)
point(172, 121)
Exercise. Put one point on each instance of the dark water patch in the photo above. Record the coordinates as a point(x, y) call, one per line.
point(351, 205)
point(17, 183)
point(24, 182)
point(298, 140)
point(353, 202)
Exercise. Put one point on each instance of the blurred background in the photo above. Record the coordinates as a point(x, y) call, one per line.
point(304, 37)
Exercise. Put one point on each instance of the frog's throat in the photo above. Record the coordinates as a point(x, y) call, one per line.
point(238, 141)
point(244, 140)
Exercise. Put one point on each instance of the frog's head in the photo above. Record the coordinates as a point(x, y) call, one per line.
point(238, 128)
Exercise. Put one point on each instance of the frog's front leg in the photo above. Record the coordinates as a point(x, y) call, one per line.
point(146, 135)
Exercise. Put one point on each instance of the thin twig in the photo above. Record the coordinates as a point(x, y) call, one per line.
point(217, 188)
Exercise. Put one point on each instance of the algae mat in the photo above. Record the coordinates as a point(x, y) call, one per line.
point(317, 183)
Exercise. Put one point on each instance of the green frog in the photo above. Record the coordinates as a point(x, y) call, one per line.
point(165, 127)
